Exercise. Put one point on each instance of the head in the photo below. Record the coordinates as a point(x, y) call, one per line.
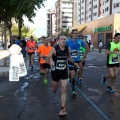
point(74, 33)
point(81, 37)
point(18, 37)
point(31, 38)
point(117, 37)
point(62, 40)
point(46, 40)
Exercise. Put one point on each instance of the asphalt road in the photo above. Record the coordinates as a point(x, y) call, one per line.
point(30, 99)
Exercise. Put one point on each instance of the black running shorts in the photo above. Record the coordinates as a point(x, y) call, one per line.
point(113, 65)
point(44, 66)
point(71, 66)
point(31, 53)
point(59, 75)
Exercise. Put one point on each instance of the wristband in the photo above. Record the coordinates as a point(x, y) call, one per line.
point(9, 51)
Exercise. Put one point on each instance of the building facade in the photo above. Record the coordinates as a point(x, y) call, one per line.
point(51, 22)
point(102, 29)
point(66, 14)
point(90, 10)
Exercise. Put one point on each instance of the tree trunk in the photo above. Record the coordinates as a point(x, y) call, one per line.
point(20, 26)
point(11, 38)
point(5, 41)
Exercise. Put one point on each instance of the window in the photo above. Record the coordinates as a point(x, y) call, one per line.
point(66, 21)
point(106, 9)
point(89, 16)
point(82, 13)
point(94, 14)
point(95, 6)
point(82, 1)
point(64, 26)
point(106, 1)
point(82, 19)
point(90, 9)
point(103, 10)
point(90, 2)
point(95, 0)
point(117, 5)
point(82, 7)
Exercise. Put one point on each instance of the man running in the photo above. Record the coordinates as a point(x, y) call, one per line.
point(60, 54)
point(83, 53)
point(31, 48)
point(113, 51)
point(74, 44)
point(43, 52)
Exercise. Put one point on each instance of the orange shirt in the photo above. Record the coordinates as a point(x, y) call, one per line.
point(44, 50)
point(31, 45)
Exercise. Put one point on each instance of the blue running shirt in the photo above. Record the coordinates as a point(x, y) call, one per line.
point(75, 48)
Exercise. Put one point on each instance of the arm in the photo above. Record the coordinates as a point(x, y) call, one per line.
point(107, 51)
point(52, 52)
point(14, 49)
point(71, 60)
point(4, 54)
point(86, 47)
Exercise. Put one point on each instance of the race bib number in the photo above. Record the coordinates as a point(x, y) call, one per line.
point(115, 60)
point(81, 54)
point(31, 48)
point(74, 53)
point(60, 64)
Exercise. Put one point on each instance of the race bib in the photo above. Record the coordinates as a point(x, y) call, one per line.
point(60, 64)
point(74, 53)
point(81, 54)
point(115, 60)
point(31, 48)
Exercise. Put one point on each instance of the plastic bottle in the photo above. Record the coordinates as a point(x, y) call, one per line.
point(14, 68)
point(22, 67)
point(53, 66)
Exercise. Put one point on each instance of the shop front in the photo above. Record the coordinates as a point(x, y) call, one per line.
point(103, 29)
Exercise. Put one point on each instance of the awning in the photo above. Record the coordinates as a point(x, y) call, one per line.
point(80, 28)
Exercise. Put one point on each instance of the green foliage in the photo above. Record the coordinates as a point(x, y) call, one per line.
point(18, 8)
point(26, 31)
point(66, 33)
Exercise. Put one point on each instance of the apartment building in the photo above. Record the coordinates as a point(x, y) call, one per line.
point(51, 22)
point(90, 10)
point(66, 14)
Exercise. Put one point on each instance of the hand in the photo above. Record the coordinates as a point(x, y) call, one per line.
point(14, 49)
point(118, 53)
point(76, 65)
point(51, 62)
point(83, 59)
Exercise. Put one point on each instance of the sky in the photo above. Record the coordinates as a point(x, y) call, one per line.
point(40, 19)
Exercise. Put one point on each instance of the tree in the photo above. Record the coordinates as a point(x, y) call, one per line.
point(65, 32)
point(16, 9)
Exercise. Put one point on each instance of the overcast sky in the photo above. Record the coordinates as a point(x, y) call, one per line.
point(40, 19)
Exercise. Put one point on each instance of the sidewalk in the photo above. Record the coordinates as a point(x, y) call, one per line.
point(4, 69)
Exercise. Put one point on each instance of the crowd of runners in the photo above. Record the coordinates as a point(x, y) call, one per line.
point(65, 59)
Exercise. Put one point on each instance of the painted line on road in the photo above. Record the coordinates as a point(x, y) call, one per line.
point(106, 118)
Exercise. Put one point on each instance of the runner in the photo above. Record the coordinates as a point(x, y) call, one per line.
point(31, 48)
point(83, 52)
point(43, 52)
point(74, 44)
point(113, 50)
point(60, 54)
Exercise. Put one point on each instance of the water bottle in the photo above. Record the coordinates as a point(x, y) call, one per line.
point(22, 67)
point(14, 68)
point(53, 66)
